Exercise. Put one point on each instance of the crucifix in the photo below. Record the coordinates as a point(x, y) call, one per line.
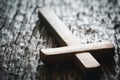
point(83, 55)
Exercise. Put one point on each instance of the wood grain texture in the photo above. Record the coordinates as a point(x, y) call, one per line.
point(22, 36)
point(57, 28)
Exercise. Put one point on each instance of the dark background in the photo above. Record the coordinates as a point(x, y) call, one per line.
point(22, 36)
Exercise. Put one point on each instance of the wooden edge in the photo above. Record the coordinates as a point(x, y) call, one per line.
point(86, 62)
point(52, 59)
point(103, 49)
point(57, 28)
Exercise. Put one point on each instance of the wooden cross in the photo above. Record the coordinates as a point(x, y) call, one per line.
point(73, 49)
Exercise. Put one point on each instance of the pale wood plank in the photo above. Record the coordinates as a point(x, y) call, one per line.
point(98, 50)
point(61, 33)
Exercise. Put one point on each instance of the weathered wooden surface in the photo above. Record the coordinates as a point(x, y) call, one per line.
point(22, 36)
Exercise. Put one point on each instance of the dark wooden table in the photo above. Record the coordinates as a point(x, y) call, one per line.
point(22, 36)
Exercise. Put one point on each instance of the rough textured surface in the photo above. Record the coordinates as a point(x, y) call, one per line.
point(22, 36)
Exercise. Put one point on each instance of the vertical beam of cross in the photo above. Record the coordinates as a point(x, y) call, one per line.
point(64, 37)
